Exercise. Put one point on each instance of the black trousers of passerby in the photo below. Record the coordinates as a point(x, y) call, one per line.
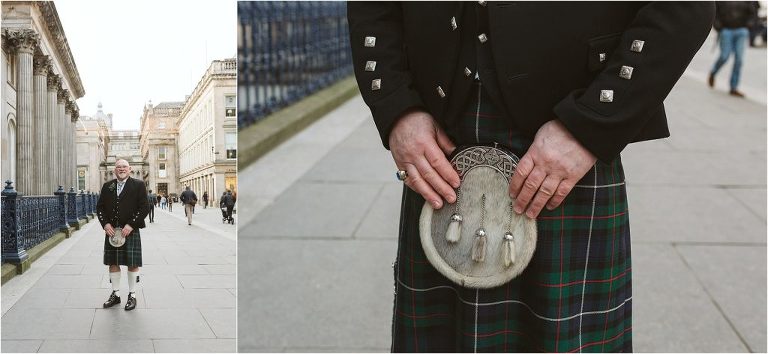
point(229, 211)
point(151, 213)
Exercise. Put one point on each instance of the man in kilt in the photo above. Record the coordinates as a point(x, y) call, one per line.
point(123, 204)
point(564, 85)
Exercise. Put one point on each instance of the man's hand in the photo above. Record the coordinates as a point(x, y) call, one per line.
point(419, 147)
point(127, 230)
point(545, 175)
point(109, 230)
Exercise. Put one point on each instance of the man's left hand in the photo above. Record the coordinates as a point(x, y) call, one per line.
point(127, 230)
point(553, 165)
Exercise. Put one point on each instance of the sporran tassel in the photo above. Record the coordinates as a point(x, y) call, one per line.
point(454, 229)
point(509, 250)
point(478, 247)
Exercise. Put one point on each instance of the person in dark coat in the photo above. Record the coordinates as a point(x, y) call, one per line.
point(189, 199)
point(564, 85)
point(228, 202)
point(151, 199)
point(205, 200)
point(123, 203)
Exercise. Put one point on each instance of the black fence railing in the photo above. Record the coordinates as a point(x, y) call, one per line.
point(30, 220)
point(286, 51)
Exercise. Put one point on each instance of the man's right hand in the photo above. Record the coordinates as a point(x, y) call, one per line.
point(110, 231)
point(419, 146)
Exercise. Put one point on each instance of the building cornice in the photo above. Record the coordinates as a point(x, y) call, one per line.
point(61, 45)
point(218, 70)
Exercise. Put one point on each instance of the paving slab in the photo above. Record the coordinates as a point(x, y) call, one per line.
point(97, 346)
point(21, 346)
point(316, 293)
point(220, 321)
point(730, 275)
point(195, 345)
point(45, 323)
point(150, 324)
point(207, 281)
point(383, 218)
point(66, 269)
point(671, 310)
point(324, 209)
point(727, 219)
point(372, 164)
point(753, 198)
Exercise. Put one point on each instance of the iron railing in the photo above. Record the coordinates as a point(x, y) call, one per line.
point(287, 51)
point(30, 220)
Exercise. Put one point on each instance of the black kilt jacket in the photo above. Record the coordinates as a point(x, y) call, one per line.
point(131, 207)
point(553, 60)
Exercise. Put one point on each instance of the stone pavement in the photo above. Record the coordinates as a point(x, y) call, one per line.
point(186, 296)
point(320, 230)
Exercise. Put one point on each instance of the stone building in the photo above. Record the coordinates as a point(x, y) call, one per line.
point(40, 83)
point(92, 143)
point(123, 144)
point(208, 132)
point(159, 147)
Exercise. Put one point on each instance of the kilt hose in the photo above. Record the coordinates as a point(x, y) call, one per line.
point(129, 254)
point(575, 295)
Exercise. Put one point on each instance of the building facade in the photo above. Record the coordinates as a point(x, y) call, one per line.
point(40, 84)
point(159, 147)
point(92, 143)
point(208, 132)
point(123, 144)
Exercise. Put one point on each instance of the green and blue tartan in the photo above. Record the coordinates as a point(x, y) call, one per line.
point(129, 254)
point(575, 295)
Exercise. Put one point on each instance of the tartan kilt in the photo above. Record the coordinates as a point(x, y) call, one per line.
point(575, 294)
point(129, 254)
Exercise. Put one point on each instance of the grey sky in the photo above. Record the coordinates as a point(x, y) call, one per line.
point(131, 52)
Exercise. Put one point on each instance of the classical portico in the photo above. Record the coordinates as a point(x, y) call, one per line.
point(40, 86)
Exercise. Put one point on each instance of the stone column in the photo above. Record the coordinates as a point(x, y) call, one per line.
point(58, 166)
point(67, 149)
point(42, 65)
point(24, 42)
point(50, 134)
point(73, 145)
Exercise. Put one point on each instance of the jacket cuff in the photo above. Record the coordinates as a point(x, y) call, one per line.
point(386, 111)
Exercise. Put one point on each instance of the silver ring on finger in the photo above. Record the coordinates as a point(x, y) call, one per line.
point(401, 175)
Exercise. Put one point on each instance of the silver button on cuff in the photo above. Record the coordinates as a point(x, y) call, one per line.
point(370, 65)
point(467, 72)
point(606, 95)
point(454, 25)
point(637, 46)
point(370, 42)
point(482, 37)
point(626, 72)
point(602, 57)
point(440, 92)
point(376, 84)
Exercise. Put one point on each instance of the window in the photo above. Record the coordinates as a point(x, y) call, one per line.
point(162, 173)
point(161, 152)
point(230, 102)
point(161, 124)
point(81, 179)
point(231, 142)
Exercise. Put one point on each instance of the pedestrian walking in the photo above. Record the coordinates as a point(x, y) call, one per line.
point(732, 21)
point(205, 200)
point(566, 98)
point(227, 204)
point(189, 199)
point(162, 202)
point(170, 203)
point(122, 206)
point(151, 199)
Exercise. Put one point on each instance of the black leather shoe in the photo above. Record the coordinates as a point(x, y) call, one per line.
point(112, 301)
point(131, 303)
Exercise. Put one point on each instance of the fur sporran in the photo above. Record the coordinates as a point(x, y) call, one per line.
point(479, 241)
point(117, 239)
